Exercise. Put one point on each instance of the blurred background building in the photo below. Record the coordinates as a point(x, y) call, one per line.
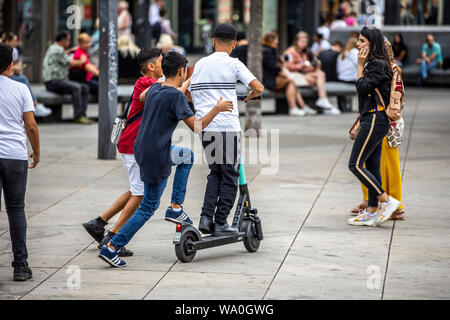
point(37, 22)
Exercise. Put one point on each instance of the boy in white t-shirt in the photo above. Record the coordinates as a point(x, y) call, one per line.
point(16, 123)
point(215, 77)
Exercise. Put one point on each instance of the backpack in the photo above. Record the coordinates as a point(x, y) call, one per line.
point(397, 98)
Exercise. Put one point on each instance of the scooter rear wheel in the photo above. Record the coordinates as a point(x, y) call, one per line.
point(184, 254)
point(251, 242)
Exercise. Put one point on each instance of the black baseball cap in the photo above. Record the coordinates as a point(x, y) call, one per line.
point(225, 31)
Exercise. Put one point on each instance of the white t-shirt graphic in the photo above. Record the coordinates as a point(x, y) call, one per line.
point(15, 99)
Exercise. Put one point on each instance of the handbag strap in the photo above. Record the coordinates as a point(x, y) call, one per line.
point(127, 108)
point(135, 117)
point(381, 98)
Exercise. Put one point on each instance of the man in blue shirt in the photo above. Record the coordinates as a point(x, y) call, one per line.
point(165, 106)
point(431, 58)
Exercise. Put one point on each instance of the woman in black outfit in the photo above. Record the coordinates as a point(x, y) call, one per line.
point(374, 72)
point(400, 50)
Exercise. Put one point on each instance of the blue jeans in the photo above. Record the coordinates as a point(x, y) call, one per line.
point(183, 159)
point(425, 68)
point(24, 80)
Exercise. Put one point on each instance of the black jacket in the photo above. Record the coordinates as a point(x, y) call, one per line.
point(329, 61)
point(270, 66)
point(366, 85)
point(240, 53)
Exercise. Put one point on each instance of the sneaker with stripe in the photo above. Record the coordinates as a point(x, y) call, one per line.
point(111, 257)
point(177, 216)
point(386, 209)
point(362, 219)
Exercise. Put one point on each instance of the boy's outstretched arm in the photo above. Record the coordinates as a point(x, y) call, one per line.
point(257, 90)
point(183, 89)
point(197, 125)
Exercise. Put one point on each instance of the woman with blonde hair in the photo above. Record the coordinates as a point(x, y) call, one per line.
point(274, 78)
point(128, 66)
point(298, 60)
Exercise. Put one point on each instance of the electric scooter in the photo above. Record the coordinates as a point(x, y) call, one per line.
point(188, 240)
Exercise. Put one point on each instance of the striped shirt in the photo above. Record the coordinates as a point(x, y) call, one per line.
point(216, 76)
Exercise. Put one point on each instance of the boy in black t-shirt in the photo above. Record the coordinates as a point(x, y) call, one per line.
point(165, 107)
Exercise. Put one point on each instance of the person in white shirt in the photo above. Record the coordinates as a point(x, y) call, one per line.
point(155, 19)
point(347, 62)
point(16, 123)
point(215, 77)
point(320, 44)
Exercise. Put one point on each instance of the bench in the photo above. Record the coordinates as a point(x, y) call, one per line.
point(344, 91)
point(55, 101)
point(414, 38)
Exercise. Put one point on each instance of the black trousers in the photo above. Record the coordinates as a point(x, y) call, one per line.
point(223, 154)
point(79, 92)
point(367, 149)
point(13, 181)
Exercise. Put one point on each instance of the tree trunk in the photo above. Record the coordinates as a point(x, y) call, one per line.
point(282, 25)
point(253, 110)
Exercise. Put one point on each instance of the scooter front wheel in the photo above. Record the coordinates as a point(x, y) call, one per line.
point(251, 242)
point(183, 249)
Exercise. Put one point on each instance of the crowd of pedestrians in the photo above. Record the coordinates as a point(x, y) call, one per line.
point(161, 99)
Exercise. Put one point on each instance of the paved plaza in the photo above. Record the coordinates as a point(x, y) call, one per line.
point(309, 250)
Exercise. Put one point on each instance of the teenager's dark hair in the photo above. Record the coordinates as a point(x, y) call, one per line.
point(6, 57)
point(146, 56)
point(172, 62)
point(8, 36)
point(63, 35)
point(377, 49)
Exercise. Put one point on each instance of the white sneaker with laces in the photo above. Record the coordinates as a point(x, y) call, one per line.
point(324, 103)
point(296, 112)
point(362, 219)
point(41, 111)
point(332, 112)
point(385, 212)
point(309, 111)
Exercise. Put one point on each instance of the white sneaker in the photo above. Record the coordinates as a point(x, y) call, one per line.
point(309, 111)
point(362, 219)
point(386, 211)
point(324, 103)
point(332, 112)
point(296, 112)
point(41, 111)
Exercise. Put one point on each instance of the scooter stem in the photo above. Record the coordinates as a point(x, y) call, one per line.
point(242, 178)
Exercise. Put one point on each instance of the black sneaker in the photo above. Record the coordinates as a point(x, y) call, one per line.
point(22, 273)
point(224, 230)
point(206, 224)
point(107, 238)
point(96, 228)
point(124, 252)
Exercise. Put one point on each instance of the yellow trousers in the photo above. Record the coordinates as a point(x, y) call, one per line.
point(390, 173)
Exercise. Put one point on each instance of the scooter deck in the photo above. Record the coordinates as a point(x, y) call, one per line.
point(210, 241)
